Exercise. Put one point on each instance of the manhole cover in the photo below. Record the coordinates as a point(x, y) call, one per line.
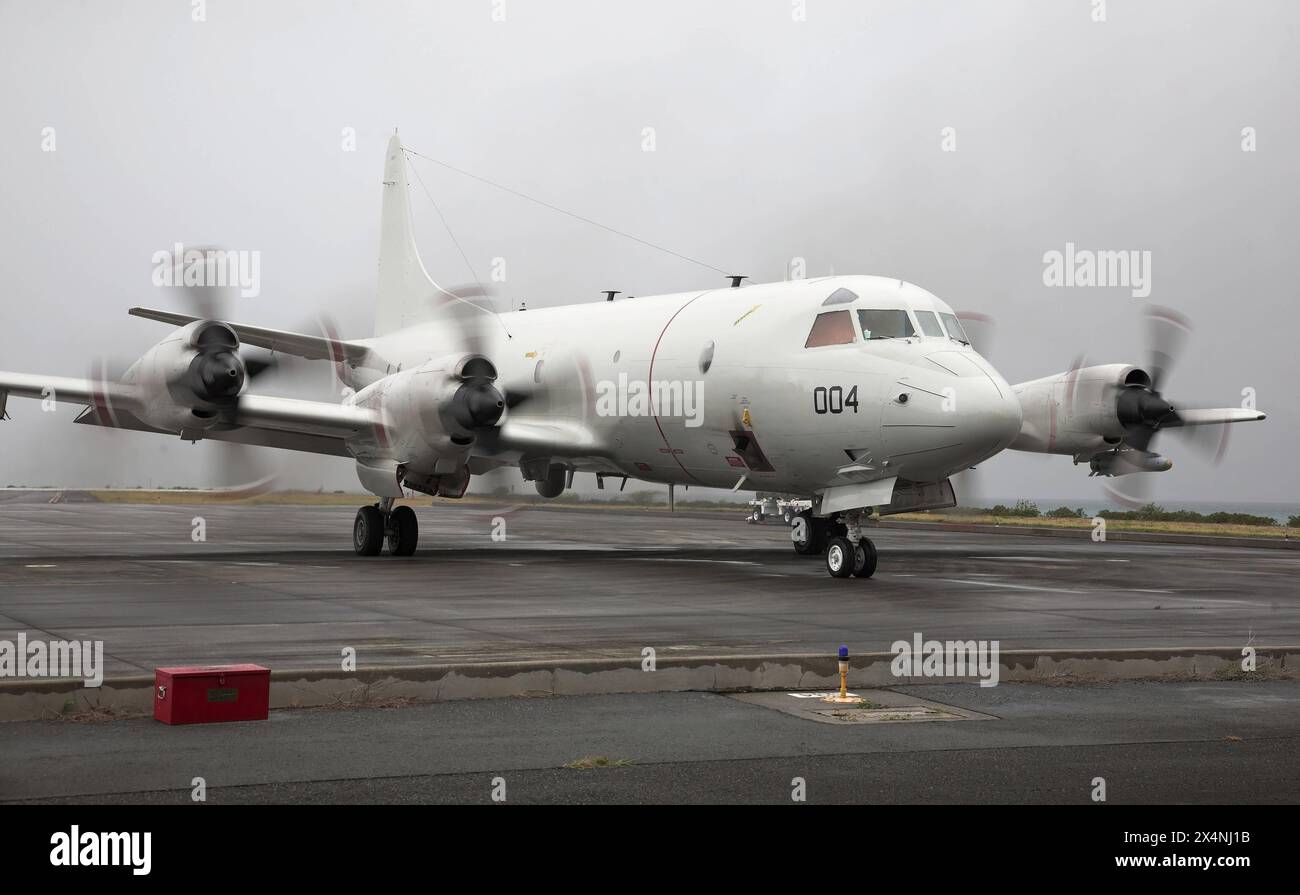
point(872, 707)
point(849, 715)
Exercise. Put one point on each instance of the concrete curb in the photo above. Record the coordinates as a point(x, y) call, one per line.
point(1147, 537)
point(25, 700)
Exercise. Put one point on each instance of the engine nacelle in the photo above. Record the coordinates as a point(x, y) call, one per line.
point(1076, 412)
point(436, 410)
point(185, 381)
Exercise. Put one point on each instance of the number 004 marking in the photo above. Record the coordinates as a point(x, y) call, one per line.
point(833, 400)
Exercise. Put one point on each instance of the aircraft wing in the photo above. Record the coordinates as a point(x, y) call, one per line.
point(275, 438)
point(561, 438)
point(295, 344)
point(305, 417)
point(61, 388)
point(291, 423)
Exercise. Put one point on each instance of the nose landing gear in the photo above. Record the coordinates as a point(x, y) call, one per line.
point(849, 552)
point(382, 524)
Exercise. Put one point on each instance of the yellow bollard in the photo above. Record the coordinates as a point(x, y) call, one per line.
point(843, 695)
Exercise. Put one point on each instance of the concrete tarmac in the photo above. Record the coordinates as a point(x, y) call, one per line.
point(1189, 743)
point(280, 586)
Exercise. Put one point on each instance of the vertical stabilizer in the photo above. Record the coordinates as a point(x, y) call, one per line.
point(407, 294)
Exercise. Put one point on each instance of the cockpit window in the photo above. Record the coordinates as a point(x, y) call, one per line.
point(954, 327)
point(831, 328)
point(929, 324)
point(887, 324)
point(840, 296)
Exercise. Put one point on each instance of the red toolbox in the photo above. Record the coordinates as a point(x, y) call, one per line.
point(199, 694)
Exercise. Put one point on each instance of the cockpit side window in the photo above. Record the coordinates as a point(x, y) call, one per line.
point(885, 324)
point(954, 327)
point(929, 324)
point(831, 328)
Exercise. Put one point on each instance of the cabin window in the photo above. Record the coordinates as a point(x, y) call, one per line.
point(885, 324)
point(929, 324)
point(831, 328)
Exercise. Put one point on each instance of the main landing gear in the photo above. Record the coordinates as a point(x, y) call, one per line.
point(381, 524)
point(849, 552)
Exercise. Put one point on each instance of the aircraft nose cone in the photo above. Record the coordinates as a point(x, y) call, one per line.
point(991, 415)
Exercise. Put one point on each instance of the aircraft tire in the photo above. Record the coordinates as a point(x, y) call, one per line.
point(865, 557)
point(403, 531)
point(815, 542)
point(840, 558)
point(368, 531)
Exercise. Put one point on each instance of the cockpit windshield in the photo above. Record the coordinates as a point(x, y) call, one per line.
point(954, 327)
point(930, 324)
point(831, 328)
point(885, 324)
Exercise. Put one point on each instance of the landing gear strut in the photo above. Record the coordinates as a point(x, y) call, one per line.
point(381, 524)
point(852, 552)
point(849, 552)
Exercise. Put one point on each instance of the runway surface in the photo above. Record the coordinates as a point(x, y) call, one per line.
point(281, 586)
point(1219, 743)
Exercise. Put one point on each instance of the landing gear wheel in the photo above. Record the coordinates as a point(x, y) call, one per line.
point(840, 558)
point(808, 535)
point(864, 559)
point(368, 531)
point(403, 531)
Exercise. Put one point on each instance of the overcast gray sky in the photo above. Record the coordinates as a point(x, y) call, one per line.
point(774, 138)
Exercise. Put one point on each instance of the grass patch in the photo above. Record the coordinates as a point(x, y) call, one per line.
point(598, 761)
point(1181, 528)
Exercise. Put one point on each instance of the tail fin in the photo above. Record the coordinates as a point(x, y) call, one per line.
point(407, 294)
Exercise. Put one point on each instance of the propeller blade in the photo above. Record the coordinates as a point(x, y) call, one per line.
point(196, 272)
point(1211, 416)
point(1167, 332)
point(257, 364)
point(980, 329)
point(469, 312)
point(1209, 441)
point(1072, 380)
point(1140, 438)
point(971, 487)
point(1130, 491)
point(238, 471)
point(516, 397)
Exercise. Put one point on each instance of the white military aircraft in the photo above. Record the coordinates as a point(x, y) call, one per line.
point(860, 393)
